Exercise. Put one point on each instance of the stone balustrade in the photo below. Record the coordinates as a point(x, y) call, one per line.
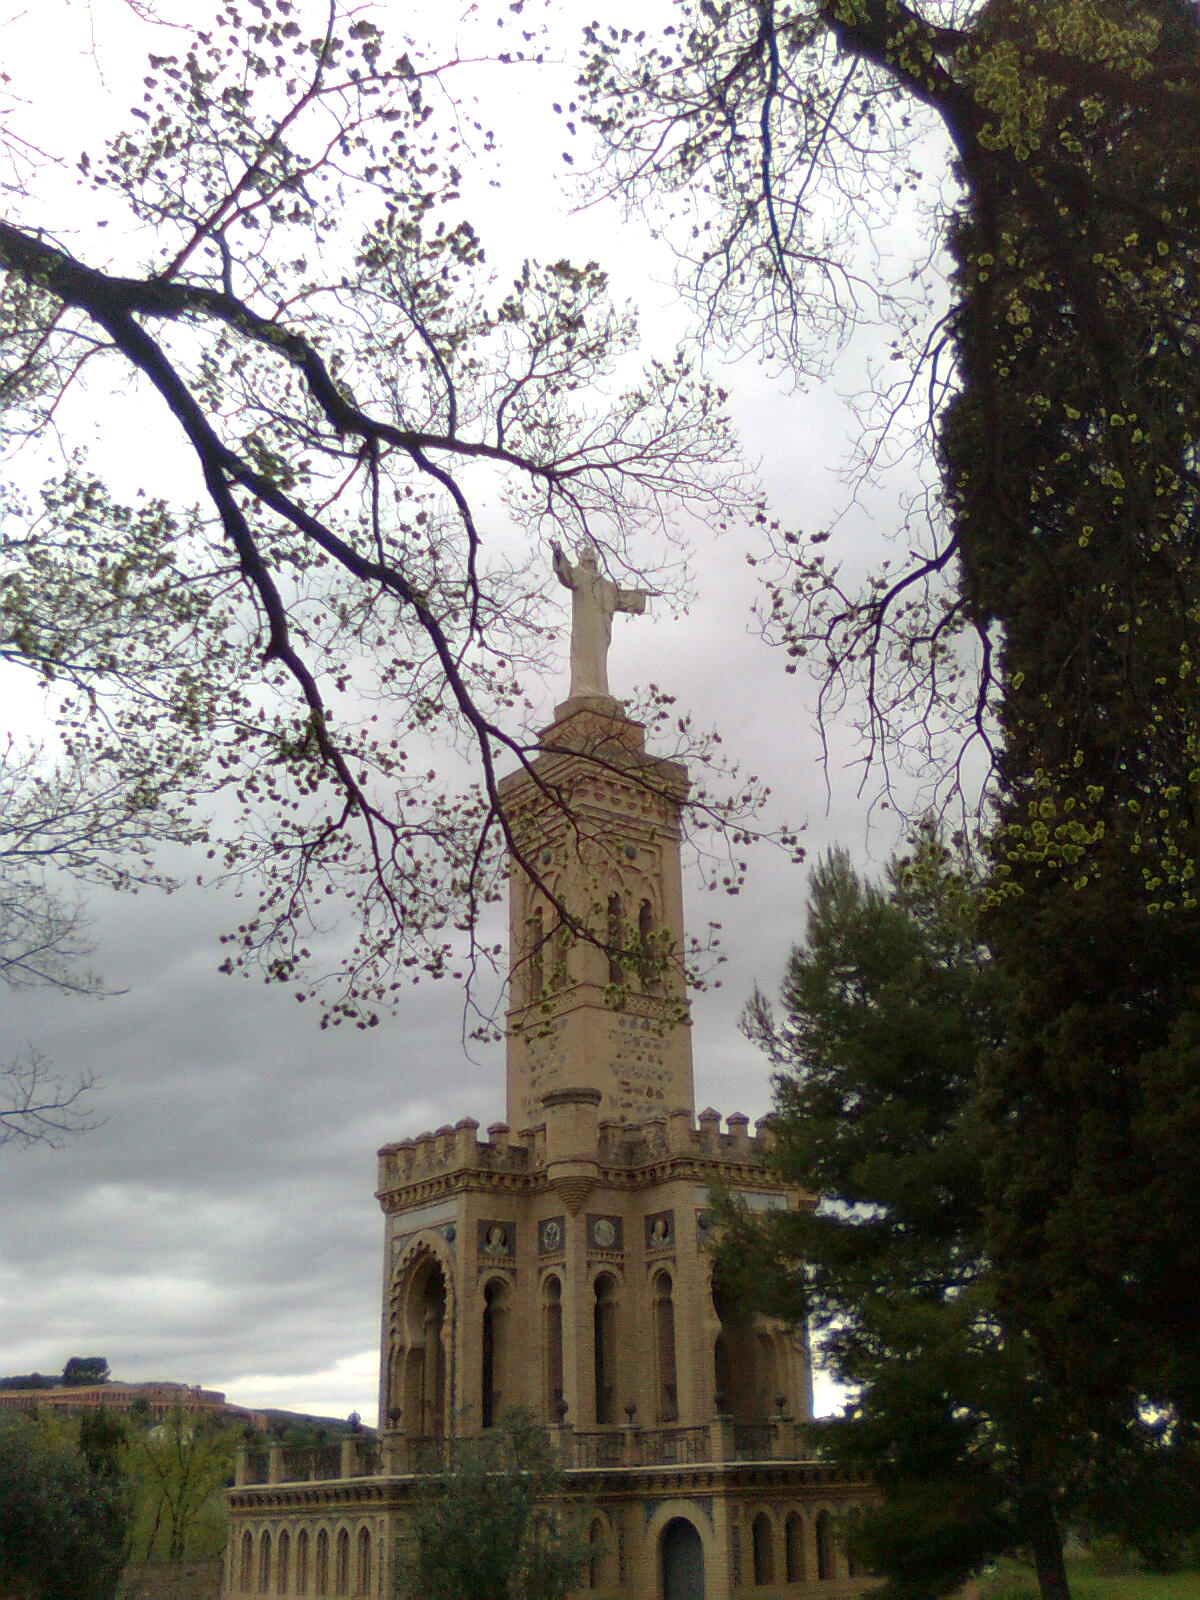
point(395, 1454)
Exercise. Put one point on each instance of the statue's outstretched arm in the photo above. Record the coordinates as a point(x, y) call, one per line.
point(562, 567)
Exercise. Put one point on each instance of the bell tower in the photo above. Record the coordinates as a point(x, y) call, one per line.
point(561, 1266)
point(597, 993)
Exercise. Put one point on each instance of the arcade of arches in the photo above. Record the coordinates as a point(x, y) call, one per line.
point(560, 1264)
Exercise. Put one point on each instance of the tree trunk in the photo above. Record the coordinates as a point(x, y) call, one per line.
point(1045, 1538)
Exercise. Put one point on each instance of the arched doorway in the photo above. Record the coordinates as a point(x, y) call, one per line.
point(682, 1561)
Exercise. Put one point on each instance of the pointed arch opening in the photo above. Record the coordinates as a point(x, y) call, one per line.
point(264, 1562)
point(598, 1556)
point(423, 1361)
point(282, 1557)
point(321, 1564)
point(762, 1539)
point(615, 938)
point(667, 1386)
point(552, 1349)
point(497, 1332)
point(649, 957)
point(824, 1540)
point(604, 1347)
point(793, 1545)
point(341, 1563)
point(246, 1563)
point(535, 958)
point(302, 1561)
point(362, 1565)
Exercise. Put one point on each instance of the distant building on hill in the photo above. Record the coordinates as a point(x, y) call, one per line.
point(161, 1398)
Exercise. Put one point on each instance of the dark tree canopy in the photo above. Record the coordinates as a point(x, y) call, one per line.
point(63, 1524)
point(86, 1369)
point(1064, 417)
point(888, 1014)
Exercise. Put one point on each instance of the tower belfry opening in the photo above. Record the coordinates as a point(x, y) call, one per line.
point(560, 1265)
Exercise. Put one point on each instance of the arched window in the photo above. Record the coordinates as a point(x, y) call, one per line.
point(246, 1565)
point(649, 959)
point(302, 1561)
point(362, 1565)
point(561, 973)
point(341, 1563)
point(321, 1564)
point(664, 1348)
point(615, 936)
point(496, 1315)
point(824, 1532)
point(793, 1537)
point(535, 942)
point(281, 1563)
point(596, 1554)
point(552, 1347)
point(264, 1562)
point(764, 1549)
point(845, 1532)
point(766, 1376)
point(604, 1345)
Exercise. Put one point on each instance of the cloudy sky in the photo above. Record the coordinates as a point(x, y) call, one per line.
point(219, 1227)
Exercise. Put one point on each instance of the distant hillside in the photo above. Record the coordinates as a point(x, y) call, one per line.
point(85, 1385)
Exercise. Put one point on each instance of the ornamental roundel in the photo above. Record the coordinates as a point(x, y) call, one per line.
point(604, 1233)
point(551, 1236)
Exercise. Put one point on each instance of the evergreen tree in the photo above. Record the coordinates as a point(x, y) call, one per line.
point(63, 1522)
point(888, 1012)
point(489, 1528)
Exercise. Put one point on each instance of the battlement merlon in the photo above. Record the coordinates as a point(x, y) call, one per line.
point(595, 731)
point(454, 1156)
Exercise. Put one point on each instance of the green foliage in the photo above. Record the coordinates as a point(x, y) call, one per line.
point(889, 1011)
point(63, 1524)
point(102, 1437)
point(178, 1470)
point(493, 1527)
point(1016, 1582)
point(1055, 592)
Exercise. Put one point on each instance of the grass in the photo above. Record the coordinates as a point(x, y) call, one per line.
point(1013, 1581)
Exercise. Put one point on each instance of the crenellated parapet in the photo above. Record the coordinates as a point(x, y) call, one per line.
point(451, 1157)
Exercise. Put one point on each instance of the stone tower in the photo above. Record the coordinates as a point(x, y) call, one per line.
point(562, 1264)
point(597, 994)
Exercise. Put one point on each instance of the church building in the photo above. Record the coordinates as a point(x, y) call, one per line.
point(562, 1264)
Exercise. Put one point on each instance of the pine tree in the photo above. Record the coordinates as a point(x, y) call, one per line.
point(889, 1011)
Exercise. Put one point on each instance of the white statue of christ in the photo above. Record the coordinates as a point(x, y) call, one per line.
point(594, 601)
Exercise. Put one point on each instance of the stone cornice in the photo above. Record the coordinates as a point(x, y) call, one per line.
point(684, 1167)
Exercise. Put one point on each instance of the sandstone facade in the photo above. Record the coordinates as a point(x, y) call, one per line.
point(561, 1263)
